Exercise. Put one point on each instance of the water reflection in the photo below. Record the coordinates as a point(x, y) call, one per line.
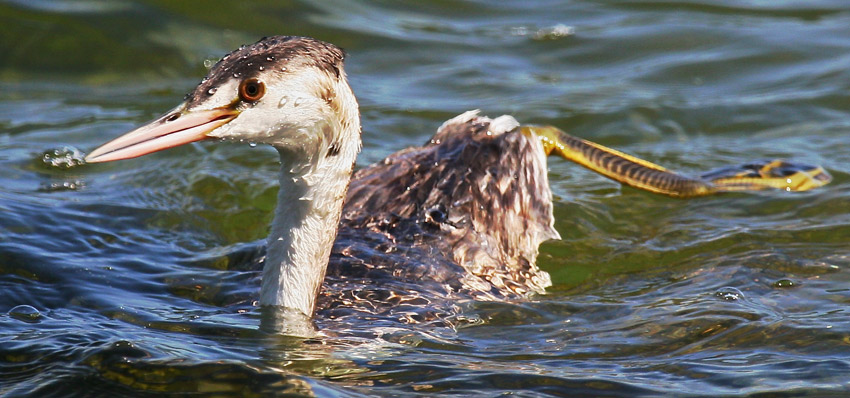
point(286, 321)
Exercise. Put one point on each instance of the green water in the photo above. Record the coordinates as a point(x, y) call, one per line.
point(138, 278)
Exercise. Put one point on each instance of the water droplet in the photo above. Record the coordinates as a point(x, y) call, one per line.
point(298, 101)
point(784, 283)
point(211, 91)
point(208, 63)
point(729, 294)
point(124, 348)
point(252, 144)
point(236, 74)
point(262, 68)
point(283, 69)
point(64, 157)
point(61, 186)
point(269, 58)
point(283, 101)
point(25, 313)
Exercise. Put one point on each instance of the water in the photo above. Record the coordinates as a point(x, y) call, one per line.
point(139, 278)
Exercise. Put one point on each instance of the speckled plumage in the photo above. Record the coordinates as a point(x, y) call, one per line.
point(462, 216)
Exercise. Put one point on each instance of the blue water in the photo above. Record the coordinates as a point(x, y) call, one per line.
point(140, 278)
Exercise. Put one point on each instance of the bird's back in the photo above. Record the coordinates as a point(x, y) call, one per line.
point(461, 216)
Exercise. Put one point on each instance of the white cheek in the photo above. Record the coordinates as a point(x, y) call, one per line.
point(289, 115)
point(268, 122)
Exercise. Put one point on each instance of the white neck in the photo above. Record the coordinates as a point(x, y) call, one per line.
point(313, 184)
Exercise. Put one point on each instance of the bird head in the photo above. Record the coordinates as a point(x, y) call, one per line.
point(289, 92)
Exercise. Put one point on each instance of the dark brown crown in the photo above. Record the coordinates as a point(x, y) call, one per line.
point(282, 54)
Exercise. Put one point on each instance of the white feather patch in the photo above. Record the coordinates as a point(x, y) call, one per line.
point(461, 119)
point(503, 124)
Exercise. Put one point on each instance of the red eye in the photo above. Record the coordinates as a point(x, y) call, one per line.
point(251, 90)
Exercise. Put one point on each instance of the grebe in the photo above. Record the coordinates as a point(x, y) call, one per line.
point(464, 214)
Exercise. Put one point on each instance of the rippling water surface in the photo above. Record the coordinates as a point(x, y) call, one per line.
point(139, 277)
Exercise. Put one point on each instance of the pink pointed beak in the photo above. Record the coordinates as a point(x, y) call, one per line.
point(163, 133)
